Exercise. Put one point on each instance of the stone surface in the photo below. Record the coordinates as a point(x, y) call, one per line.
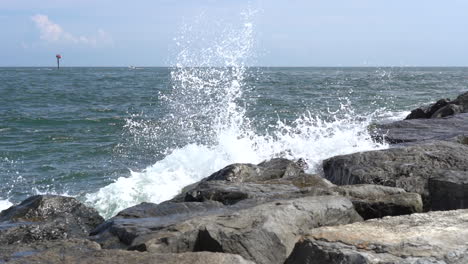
point(428, 111)
point(409, 167)
point(267, 170)
point(46, 217)
point(441, 108)
point(418, 130)
point(449, 190)
point(83, 251)
point(436, 237)
point(263, 233)
point(374, 201)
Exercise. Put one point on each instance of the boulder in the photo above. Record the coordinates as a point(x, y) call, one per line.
point(441, 108)
point(448, 110)
point(419, 130)
point(375, 201)
point(428, 111)
point(272, 169)
point(141, 218)
point(262, 233)
point(435, 237)
point(408, 167)
point(84, 251)
point(449, 190)
point(47, 217)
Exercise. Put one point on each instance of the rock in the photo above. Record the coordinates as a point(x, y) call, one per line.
point(230, 193)
point(47, 217)
point(427, 112)
point(409, 167)
point(442, 108)
point(435, 237)
point(83, 251)
point(374, 201)
point(273, 169)
point(419, 130)
point(448, 110)
point(20, 252)
point(462, 100)
point(449, 190)
point(112, 234)
point(262, 233)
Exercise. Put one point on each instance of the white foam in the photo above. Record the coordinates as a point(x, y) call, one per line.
point(5, 204)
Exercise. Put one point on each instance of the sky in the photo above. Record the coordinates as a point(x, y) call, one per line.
point(284, 32)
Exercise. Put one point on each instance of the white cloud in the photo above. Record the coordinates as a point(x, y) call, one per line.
point(54, 33)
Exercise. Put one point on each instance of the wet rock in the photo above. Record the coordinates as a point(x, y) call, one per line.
point(436, 237)
point(231, 193)
point(147, 216)
point(448, 110)
point(83, 251)
point(371, 201)
point(420, 130)
point(47, 217)
point(272, 169)
point(442, 108)
point(449, 190)
point(428, 111)
point(263, 233)
point(409, 167)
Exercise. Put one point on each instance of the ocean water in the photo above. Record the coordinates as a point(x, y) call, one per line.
point(114, 137)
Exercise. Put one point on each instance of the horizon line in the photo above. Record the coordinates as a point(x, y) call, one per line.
point(254, 66)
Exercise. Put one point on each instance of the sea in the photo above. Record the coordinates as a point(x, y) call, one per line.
point(114, 137)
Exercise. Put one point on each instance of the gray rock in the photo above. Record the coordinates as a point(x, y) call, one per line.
point(409, 167)
point(436, 237)
point(263, 233)
point(47, 217)
point(428, 111)
point(83, 251)
point(112, 234)
point(448, 110)
point(272, 169)
point(441, 108)
point(449, 190)
point(375, 201)
point(418, 130)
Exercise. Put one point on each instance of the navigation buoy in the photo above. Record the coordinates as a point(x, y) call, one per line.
point(58, 56)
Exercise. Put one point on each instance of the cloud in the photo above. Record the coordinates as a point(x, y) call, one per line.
point(54, 33)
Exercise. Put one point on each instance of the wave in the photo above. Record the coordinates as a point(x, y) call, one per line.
point(207, 119)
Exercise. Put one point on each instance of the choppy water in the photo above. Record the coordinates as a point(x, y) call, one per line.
point(115, 137)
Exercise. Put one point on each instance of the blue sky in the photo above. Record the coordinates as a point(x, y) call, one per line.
point(286, 33)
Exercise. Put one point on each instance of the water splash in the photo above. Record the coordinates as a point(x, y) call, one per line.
point(206, 127)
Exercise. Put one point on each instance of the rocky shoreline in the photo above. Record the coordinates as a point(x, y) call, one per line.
point(405, 204)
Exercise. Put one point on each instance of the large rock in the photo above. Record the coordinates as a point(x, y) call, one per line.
point(436, 237)
point(84, 251)
point(263, 233)
point(449, 190)
point(47, 217)
point(141, 218)
point(409, 168)
point(441, 108)
point(375, 201)
point(453, 128)
point(267, 170)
